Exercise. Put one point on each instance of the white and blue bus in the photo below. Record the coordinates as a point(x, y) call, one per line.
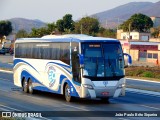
point(72, 65)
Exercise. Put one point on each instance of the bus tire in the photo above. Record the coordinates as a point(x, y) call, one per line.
point(25, 86)
point(67, 95)
point(105, 100)
point(30, 87)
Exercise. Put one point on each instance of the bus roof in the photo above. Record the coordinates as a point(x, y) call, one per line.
point(67, 38)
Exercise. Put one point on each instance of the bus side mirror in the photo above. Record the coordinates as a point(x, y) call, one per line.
point(129, 60)
point(81, 60)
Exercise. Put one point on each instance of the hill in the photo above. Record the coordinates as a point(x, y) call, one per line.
point(26, 24)
point(112, 17)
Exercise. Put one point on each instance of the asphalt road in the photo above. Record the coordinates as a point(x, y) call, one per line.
point(13, 99)
point(6, 61)
point(6, 58)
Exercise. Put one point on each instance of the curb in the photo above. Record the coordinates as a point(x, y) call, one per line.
point(142, 80)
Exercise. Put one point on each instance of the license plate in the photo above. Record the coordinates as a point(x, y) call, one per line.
point(105, 93)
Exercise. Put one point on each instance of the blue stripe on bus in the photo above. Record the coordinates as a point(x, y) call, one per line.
point(27, 75)
point(16, 61)
point(62, 77)
point(61, 66)
point(77, 83)
point(73, 91)
point(45, 89)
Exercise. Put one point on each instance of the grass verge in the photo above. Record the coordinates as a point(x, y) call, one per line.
point(141, 72)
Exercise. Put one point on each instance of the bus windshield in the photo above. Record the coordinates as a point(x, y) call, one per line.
point(103, 60)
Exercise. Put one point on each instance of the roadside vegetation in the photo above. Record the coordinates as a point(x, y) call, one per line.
point(150, 73)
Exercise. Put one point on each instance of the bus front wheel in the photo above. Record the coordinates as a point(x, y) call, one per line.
point(25, 86)
point(30, 86)
point(67, 95)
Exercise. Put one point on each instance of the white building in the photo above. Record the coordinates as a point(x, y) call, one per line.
point(133, 36)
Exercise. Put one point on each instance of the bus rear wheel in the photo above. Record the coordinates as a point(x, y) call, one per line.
point(25, 86)
point(67, 95)
point(30, 86)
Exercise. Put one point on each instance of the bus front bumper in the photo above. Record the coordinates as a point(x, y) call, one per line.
point(103, 92)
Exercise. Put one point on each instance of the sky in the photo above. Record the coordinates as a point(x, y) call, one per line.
point(52, 10)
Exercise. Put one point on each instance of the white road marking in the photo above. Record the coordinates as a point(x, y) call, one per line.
point(6, 71)
point(3, 109)
point(5, 79)
point(150, 107)
point(75, 107)
point(143, 80)
point(32, 97)
point(146, 92)
point(4, 90)
point(123, 119)
point(9, 107)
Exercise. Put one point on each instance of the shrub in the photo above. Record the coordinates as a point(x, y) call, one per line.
point(138, 72)
point(130, 73)
point(157, 76)
point(148, 74)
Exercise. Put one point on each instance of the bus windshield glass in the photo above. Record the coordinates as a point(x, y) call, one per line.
point(103, 60)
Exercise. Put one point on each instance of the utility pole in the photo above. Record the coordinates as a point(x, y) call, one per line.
point(129, 28)
point(106, 24)
point(81, 28)
point(129, 36)
point(118, 24)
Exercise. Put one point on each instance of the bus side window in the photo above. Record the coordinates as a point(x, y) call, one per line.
point(64, 53)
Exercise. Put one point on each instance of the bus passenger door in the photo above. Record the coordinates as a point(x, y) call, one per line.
point(76, 67)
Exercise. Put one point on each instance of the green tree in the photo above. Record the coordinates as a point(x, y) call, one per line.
point(51, 27)
point(87, 25)
point(107, 33)
point(68, 23)
point(34, 33)
point(137, 22)
point(5, 29)
point(155, 32)
point(21, 34)
point(39, 32)
point(60, 25)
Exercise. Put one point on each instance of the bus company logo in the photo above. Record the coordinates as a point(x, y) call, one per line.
point(51, 76)
point(105, 83)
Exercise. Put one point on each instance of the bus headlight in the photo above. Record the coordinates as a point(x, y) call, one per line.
point(88, 86)
point(121, 85)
